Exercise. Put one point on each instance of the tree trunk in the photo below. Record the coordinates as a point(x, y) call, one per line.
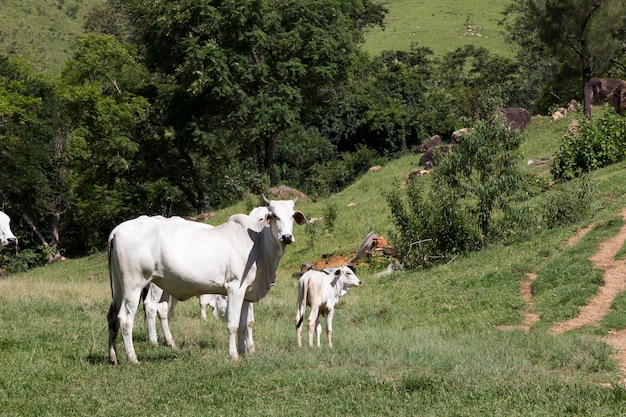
point(587, 93)
point(56, 237)
point(270, 144)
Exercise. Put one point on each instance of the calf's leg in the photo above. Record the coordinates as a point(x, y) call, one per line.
point(329, 326)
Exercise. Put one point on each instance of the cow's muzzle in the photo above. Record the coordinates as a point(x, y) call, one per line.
point(11, 243)
point(287, 239)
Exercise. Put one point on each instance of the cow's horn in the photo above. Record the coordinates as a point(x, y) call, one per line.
point(265, 200)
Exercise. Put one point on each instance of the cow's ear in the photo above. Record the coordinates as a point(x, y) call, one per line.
point(351, 268)
point(268, 217)
point(338, 272)
point(299, 218)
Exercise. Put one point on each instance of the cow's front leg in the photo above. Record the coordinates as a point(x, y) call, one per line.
point(246, 323)
point(235, 304)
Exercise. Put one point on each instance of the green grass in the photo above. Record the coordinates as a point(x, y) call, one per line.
point(442, 25)
point(42, 30)
point(425, 342)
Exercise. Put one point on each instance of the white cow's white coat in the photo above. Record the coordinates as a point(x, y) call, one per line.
point(321, 291)
point(7, 238)
point(238, 258)
point(156, 301)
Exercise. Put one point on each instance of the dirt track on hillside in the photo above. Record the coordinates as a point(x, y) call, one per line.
point(614, 283)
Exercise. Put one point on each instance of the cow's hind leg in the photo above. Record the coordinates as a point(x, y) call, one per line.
point(113, 329)
point(312, 323)
point(318, 330)
point(151, 294)
point(126, 317)
point(162, 311)
point(329, 326)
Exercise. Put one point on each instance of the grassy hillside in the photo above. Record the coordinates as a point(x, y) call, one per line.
point(426, 343)
point(442, 25)
point(41, 30)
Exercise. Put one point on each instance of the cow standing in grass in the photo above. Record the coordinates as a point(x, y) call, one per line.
point(156, 300)
point(238, 258)
point(321, 291)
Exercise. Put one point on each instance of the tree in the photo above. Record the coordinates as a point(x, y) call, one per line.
point(483, 170)
point(34, 180)
point(583, 34)
point(238, 76)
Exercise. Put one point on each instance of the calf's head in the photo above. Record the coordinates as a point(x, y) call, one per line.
point(346, 277)
point(280, 216)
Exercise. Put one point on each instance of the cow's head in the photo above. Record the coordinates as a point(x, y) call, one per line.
point(280, 217)
point(7, 238)
point(348, 278)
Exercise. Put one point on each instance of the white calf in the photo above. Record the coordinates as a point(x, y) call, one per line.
point(218, 303)
point(321, 291)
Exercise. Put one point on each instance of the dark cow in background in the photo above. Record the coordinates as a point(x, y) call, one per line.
point(517, 117)
point(602, 88)
point(618, 98)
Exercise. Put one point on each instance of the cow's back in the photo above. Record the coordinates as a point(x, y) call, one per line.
point(184, 258)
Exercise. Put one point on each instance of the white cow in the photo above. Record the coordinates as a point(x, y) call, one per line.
point(7, 238)
point(321, 291)
point(238, 258)
point(156, 301)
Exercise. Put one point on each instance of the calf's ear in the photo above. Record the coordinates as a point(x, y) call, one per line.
point(299, 218)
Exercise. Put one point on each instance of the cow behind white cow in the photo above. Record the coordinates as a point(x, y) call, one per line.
point(7, 238)
point(321, 291)
point(238, 258)
point(219, 304)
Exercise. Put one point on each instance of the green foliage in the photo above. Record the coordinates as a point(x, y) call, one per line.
point(430, 226)
point(330, 216)
point(570, 205)
point(484, 170)
point(597, 143)
point(332, 176)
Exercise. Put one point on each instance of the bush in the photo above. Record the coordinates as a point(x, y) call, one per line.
point(430, 226)
point(568, 206)
point(597, 144)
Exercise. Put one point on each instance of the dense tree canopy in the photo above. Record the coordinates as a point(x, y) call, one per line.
point(178, 107)
point(584, 37)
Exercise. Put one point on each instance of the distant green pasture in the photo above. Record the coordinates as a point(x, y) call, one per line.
point(442, 25)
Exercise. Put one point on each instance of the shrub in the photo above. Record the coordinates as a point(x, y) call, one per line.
point(568, 206)
point(598, 143)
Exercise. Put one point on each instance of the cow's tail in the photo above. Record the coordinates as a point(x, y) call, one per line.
point(301, 307)
point(112, 318)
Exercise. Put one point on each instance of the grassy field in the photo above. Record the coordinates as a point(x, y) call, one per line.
point(42, 30)
point(442, 25)
point(425, 343)
point(421, 343)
